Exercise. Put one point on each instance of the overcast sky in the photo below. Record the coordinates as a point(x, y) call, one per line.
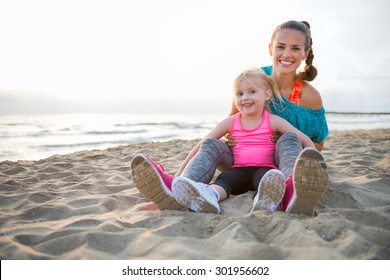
point(180, 56)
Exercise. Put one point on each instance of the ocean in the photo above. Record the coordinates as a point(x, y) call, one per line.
point(34, 137)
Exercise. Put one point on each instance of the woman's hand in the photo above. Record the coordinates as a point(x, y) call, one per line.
point(230, 140)
point(275, 136)
point(319, 145)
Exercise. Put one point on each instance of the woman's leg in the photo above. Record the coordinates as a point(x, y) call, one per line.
point(307, 184)
point(153, 182)
point(212, 154)
point(305, 172)
point(287, 150)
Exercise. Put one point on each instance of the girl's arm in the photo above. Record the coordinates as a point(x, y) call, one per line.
point(283, 126)
point(219, 131)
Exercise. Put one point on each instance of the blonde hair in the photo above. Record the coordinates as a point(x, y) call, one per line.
point(257, 76)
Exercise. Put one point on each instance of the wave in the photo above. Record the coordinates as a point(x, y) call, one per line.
point(112, 132)
point(36, 137)
point(109, 142)
point(164, 124)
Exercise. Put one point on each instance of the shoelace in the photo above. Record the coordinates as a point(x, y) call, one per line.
point(159, 165)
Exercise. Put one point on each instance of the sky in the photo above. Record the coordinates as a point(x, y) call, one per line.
point(111, 56)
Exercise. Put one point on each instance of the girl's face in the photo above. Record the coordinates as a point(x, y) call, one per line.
point(288, 51)
point(250, 98)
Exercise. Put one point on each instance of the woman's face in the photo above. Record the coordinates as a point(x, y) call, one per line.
point(287, 51)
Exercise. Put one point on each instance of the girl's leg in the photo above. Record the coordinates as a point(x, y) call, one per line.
point(234, 181)
point(257, 175)
point(200, 197)
point(154, 183)
point(212, 154)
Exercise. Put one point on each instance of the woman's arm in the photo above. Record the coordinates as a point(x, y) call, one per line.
point(310, 97)
point(219, 131)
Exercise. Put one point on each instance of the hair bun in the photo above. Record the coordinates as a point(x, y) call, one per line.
point(306, 23)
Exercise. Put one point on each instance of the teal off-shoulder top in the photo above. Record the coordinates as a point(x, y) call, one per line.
point(310, 122)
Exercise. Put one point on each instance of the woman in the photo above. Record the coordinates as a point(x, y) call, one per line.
point(290, 44)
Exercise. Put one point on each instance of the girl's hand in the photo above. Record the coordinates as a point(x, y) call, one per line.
point(230, 140)
point(275, 136)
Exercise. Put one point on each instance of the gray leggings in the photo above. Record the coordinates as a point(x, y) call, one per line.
point(215, 154)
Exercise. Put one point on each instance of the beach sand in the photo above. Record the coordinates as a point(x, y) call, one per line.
point(84, 206)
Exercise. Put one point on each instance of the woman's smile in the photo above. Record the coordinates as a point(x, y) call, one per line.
point(285, 62)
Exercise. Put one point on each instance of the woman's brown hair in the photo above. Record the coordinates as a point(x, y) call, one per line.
point(309, 72)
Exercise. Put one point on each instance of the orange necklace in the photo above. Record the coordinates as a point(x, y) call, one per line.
point(295, 96)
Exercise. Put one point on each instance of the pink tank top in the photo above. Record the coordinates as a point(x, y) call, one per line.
point(254, 147)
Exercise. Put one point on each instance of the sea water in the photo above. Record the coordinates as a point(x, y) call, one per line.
point(33, 137)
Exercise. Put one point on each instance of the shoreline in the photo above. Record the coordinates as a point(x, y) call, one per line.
point(386, 131)
point(83, 205)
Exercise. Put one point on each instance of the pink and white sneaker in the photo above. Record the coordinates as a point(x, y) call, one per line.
point(153, 182)
point(308, 183)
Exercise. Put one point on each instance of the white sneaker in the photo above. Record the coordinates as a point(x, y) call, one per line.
point(195, 196)
point(270, 191)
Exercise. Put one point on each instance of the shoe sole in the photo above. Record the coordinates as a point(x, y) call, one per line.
point(271, 191)
point(148, 182)
point(310, 179)
point(190, 197)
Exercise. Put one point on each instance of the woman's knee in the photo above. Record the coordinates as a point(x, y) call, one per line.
point(288, 137)
point(287, 149)
point(209, 141)
point(214, 145)
point(288, 141)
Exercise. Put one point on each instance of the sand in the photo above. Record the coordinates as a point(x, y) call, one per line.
point(84, 206)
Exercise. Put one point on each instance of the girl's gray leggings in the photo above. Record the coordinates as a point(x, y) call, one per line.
point(215, 154)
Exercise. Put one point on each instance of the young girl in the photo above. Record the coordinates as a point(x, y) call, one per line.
point(254, 166)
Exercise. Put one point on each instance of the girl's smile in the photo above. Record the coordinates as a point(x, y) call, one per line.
point(250, 98)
